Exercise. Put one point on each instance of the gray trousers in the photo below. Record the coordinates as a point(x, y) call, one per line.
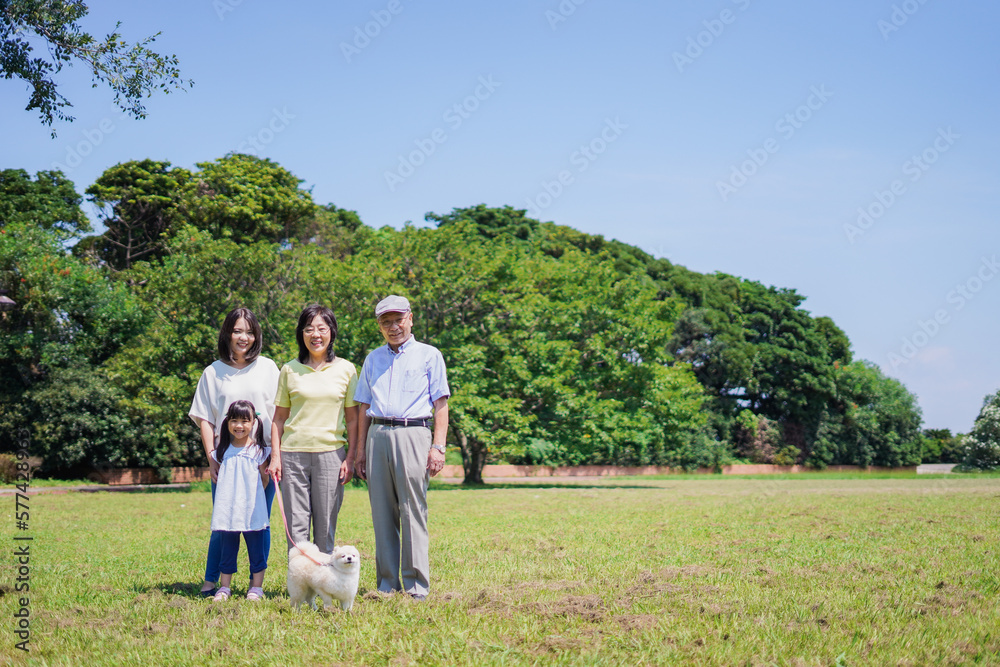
point(312, 494)
point(397, 489)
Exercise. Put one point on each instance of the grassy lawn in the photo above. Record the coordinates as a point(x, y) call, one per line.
point(802, 570)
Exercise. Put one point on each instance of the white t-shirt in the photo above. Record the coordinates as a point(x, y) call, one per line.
point(239, 495)
point(221, 384)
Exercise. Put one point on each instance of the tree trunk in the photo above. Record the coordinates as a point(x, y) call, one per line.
point(473, 458)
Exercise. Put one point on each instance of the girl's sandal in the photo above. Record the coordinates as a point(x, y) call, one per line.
point(222, 594)
point(255, 594)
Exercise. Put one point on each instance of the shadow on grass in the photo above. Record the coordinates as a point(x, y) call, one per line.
point(153, 488)
point(489, 486)
point(190, 590)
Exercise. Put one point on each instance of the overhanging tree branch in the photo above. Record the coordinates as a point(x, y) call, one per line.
point(133, 72)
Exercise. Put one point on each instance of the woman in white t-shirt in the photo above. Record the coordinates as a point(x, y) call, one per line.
point(240, 373)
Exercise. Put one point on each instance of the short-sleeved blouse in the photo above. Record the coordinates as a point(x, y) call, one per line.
point(316, 401)
point(221, 384)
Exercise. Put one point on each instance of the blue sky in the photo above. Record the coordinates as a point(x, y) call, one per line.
point(740, 136)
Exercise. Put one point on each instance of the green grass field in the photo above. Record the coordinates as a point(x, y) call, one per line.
point(701, 571)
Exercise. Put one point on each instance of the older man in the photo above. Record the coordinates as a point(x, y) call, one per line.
point(402, 388)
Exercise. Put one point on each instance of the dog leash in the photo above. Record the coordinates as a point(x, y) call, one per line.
point(281, 508)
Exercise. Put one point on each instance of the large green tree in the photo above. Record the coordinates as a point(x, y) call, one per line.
point(562, 347)
point(132, 71)
point(753, 347)
point(872, 421)
point(763, 352)
point(246, 198)
point(48, 202)
point(562, 353)
point(940, 446)
point(68, 321)
point(138, 204)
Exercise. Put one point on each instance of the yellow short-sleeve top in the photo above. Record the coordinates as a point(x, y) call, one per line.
point(316, 402)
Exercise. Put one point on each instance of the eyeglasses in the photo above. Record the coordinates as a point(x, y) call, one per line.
point(389, 323)
point(322, 331)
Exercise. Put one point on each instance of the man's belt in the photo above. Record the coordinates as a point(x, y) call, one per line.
point(393, 421)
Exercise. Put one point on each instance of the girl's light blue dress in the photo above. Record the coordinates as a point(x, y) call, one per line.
point(239, 494)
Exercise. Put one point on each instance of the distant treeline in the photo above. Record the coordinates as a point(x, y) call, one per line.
point(562, 347)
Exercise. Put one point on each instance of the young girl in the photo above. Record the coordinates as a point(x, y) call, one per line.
point(240, 506)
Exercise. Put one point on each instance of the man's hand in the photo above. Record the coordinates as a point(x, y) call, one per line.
point(213, 469)
point(435, 461)
point(359, 465)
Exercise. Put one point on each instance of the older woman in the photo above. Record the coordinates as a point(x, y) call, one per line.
point(239, 373)
point(315, 429)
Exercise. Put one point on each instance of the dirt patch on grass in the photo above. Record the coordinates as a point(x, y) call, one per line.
point(486, 602)
point(649, 585)
point(947, 599)
point(559, 644)
point(685, 571)
point(589, 608)
point(221, 613)
point(557, 586)
point(177, 602)
point(637, 622)
point(155, 629)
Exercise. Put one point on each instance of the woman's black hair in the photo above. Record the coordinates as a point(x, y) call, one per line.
point(308, 314)
point(239, 409)
point(226, 335)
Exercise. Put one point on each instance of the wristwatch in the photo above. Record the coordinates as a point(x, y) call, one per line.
point(440, 448)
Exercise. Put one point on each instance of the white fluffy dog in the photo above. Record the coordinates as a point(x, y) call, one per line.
point(335, 579)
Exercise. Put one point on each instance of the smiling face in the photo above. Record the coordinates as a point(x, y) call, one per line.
point(395, 328)
point(317, 338)
point(241, 340)
point(240, 429)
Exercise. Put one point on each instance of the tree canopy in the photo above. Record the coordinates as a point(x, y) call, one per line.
point(562, 347)
point(48, 202)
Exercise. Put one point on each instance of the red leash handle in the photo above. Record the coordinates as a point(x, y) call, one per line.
point(281, 507)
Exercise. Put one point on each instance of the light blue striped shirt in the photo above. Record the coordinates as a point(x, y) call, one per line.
point(402, 384)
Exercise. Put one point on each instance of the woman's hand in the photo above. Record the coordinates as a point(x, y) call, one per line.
point(277, 431)
point(213, 469)
point(275, 468)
